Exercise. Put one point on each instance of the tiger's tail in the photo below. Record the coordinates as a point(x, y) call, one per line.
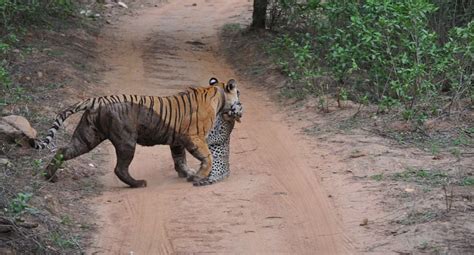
point(58, 122)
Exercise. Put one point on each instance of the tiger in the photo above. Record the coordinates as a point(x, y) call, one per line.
point(218, 141)
point(184, 119)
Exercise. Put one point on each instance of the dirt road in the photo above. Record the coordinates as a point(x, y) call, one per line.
point(272, 203)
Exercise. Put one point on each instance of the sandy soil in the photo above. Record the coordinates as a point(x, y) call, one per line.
point(272, 202)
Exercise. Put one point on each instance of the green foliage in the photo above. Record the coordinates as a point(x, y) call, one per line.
point(231, 27)
point(58, 161)
point(63, 242)
point(66, 220)
point(15, 16)
point(467, 181)
point(296, 59)
point(458, 62)
point(385, 51)
point(37, 165)
point(422, 176)
point(5, 80)
point(17, 13)
point(19, 203)
point(390, 43)
point(450, 14)
point(377, 177)
point(416, 217)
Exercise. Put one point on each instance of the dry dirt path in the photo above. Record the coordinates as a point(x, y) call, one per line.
point(272, 203)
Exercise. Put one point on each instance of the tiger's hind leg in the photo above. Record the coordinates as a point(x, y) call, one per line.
point(178, 152)
point(125, 153)
point(84, 139)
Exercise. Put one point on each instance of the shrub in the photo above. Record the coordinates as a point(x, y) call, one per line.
point(20, 203)
point(15, 13)
point(386, 51)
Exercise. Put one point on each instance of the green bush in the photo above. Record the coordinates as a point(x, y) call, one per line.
point(15, 17)
point(4, 78)
point(15, 13)
point(387, 51)
point(458, 62)
point(390, 44)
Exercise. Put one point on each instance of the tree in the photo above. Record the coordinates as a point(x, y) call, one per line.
point(259, 14)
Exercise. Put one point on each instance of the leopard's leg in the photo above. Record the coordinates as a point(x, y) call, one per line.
point(200, 150)
point(220, 165)
point(85, 138)
point(219, 145)
point(178, 152)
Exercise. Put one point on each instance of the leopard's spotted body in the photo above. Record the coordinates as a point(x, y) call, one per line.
point(219, 145)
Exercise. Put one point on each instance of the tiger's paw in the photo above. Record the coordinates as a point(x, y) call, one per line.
point(195, 178)
point(189, 172)
point(190, 178)
point(139, 184)
point(182, 174)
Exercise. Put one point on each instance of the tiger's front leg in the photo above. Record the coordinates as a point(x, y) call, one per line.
point(199, 148)
point(178, 152)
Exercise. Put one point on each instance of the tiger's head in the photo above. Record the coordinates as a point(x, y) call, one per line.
point(233, 107)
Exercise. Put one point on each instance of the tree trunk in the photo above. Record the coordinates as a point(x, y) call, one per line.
point(259, 14)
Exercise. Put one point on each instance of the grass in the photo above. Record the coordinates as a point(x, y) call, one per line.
point(427, 246)
point(231, 27)
point(66, 220)
point(85, 226)
point(467, 181)
point(455, 139)
point(63, 241)
point(55, 53)
point(435, 148)
point(298, 94)
point(430, 178)
point(462, 140)
point(16, 94)
point(350, 123)
point(417, 217)
point(377, 177)
point(422, 176)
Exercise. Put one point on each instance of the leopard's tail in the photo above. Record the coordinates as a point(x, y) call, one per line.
point(90, 103)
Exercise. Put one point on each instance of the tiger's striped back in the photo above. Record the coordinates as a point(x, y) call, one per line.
point(191, 112)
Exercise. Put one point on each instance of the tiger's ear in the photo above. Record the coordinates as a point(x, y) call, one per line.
point(213, 81)
point(231, 85)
